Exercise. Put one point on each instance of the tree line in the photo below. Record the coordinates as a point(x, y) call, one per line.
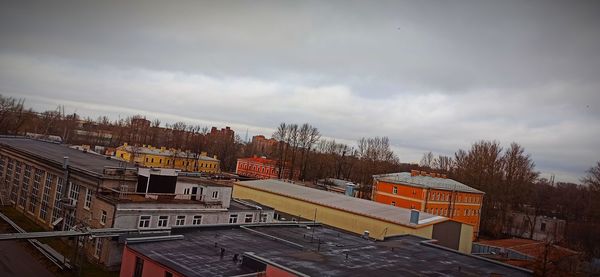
point(507, 175)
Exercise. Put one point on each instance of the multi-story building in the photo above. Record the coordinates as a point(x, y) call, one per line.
point(264, 146)
point(149, 156)
point(62, 188)
point(261, 168)
point(431, 193)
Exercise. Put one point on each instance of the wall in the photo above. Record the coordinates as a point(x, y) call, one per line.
point(333, 217)
point(150, 269)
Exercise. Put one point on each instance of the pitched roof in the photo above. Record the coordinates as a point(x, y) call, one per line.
point(425, 182)
point(166, 153)
point(342, 202)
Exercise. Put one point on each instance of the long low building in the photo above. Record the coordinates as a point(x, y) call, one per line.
point(356, 215)
point(305, 249)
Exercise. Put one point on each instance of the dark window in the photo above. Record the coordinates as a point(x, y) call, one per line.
point(543, 227)
point(139, 267)
point(168, 274)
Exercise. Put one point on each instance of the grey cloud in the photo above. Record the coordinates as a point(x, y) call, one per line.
point(430, 75)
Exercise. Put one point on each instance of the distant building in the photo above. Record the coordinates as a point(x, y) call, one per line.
point(149, 156)
point(431, 193)
point(293, 249)
point(226, 132)
point(260, 168)
point(353, 214)
point(264, 146)
point(544, 228)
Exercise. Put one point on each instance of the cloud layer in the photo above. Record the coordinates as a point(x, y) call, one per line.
point(430, 77)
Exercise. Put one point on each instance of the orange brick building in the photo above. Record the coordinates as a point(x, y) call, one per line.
point(431, 193)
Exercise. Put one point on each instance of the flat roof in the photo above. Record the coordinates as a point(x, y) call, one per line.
point(342, 202)
point(55, 153)
point(314, 251)
point(425, 182)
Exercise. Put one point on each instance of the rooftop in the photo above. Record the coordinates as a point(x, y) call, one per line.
point(262, 160)
point(407, 178)
point(341, 202)
point(530, 248)
point(55, 152)
point(314, 251)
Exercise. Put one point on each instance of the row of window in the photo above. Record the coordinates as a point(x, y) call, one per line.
point(187, 163)
point(180, 220)
point(457, 212)
point(258, 168)
point(440, 196)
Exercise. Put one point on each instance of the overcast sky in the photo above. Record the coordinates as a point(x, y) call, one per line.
point(430, 75)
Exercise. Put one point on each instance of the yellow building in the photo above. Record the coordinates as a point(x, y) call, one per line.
point(354, 214)
point(149, 156)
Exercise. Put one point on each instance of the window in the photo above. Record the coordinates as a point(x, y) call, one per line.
point(263, 217)
point(393, 203)
point(139, 267)
point(395, 190)
point(215, 194)
point(249, 218)
point(35, 190)
point(414, 192)
point(180, 220)
point(74, 193)
point(160, 161)
point(103, 217)
point(197, 220)
point(46, 196)
point(168, 274)
point(56, 212)
point(233, 218)
point(163, 221)
point(98, 246)
point(88, 199)
point(144, 221)
point(412, 206)
point(543, 227)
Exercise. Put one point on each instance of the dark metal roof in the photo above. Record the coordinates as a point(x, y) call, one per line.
point(315, 251)
point(55, 153)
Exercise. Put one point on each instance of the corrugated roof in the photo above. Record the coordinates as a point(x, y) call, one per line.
point(425, 182)
point(341, 202)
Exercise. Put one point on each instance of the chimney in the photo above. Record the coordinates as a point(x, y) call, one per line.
point(215, 157)
point(414, 172)
point(125, 144)
point(414, 217)
point(162, 149)
point(423, 173)
point(444, 176)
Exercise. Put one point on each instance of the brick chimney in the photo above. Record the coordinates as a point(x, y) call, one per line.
point(423, 173)
point(414, 172)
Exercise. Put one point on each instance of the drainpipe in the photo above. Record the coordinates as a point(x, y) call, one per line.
point(66, 188)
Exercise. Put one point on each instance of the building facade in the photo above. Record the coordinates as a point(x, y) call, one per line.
point(261, 168)
point(149, 156)
point(431, 193)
